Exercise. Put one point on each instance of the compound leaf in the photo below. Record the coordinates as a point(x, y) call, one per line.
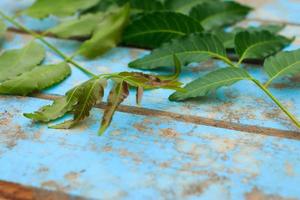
point(80, 27)
point(210, 82)
point(18, 61)
point(284, 63)
point(258, 44)
point(38, 79)
point(193, 48)
point(227, 37)
point(86, 95)
point(117, 95)
point(214, 15)
point(151, 30)
point(107, 33)
point(60, 8)
point(58, 109)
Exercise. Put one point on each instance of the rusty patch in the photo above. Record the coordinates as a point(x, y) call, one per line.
point(257, 194)
point(169, 133)
point(125, 153)
point(9, 132)
point(51, 184)
point(72, 176)
point(200, 187)
point(289, 169)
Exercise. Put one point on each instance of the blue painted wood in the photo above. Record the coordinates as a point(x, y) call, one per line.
point(144, 158)
point(275, 10)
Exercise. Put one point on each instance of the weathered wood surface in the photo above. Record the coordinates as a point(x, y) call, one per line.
point(233, 145)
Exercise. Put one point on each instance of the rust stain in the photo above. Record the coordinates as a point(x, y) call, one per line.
point(257, 194)
point(51, 184)
point(141, 127)
point(107, 149)
point(289, 169)
point(169, 133)
point(43, 170)
point(135, 157)
point(72, 176)
point(9, 132)
point(200, 187)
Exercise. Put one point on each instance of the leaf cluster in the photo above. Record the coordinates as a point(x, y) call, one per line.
point(21, 72)
point(148, 23)
point(80, 100)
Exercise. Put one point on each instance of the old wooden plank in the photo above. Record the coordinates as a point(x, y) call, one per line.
point(144, 157)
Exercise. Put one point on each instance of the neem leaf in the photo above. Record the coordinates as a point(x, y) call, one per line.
point(107, 34)
point(38, 79)
point(210, 82)
point(151, 30)
point(86, 95)
point(2, 28)
point(272, 28)
point(59, 108)
point(60, 8)
point(117, 95)
point(18, 61)
point(284, 63)
point(227, 37)
point(80, 27)
point(184, 6)
point(193, 48)
point(258, 44)
point(213, 15)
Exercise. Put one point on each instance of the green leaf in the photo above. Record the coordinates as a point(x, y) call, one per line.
point(214, 15)
point(151, 30)
point(80, 27)
point(272, 28)
point(227, 37)
point(87, 95)
point(258, 44)
point(107, 34)
point(146, 5)
point(184, 6)
point(58, 109)
point(193, 48)
point(117, 95)
point(16, 62)
point(210, 82)
point(2, 29)
point(284, 63)
point(60, 8)
point(38, 79)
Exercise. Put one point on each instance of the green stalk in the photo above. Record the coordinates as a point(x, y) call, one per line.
point(41, 38)
point(267, 92)
point(275, 100)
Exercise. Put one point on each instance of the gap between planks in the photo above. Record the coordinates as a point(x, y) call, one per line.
point(294, 135)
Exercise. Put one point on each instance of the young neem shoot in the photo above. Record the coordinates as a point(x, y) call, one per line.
point(179, 32)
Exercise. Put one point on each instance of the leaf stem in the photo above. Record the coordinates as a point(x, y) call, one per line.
point(275, 100)
point(41, 38)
